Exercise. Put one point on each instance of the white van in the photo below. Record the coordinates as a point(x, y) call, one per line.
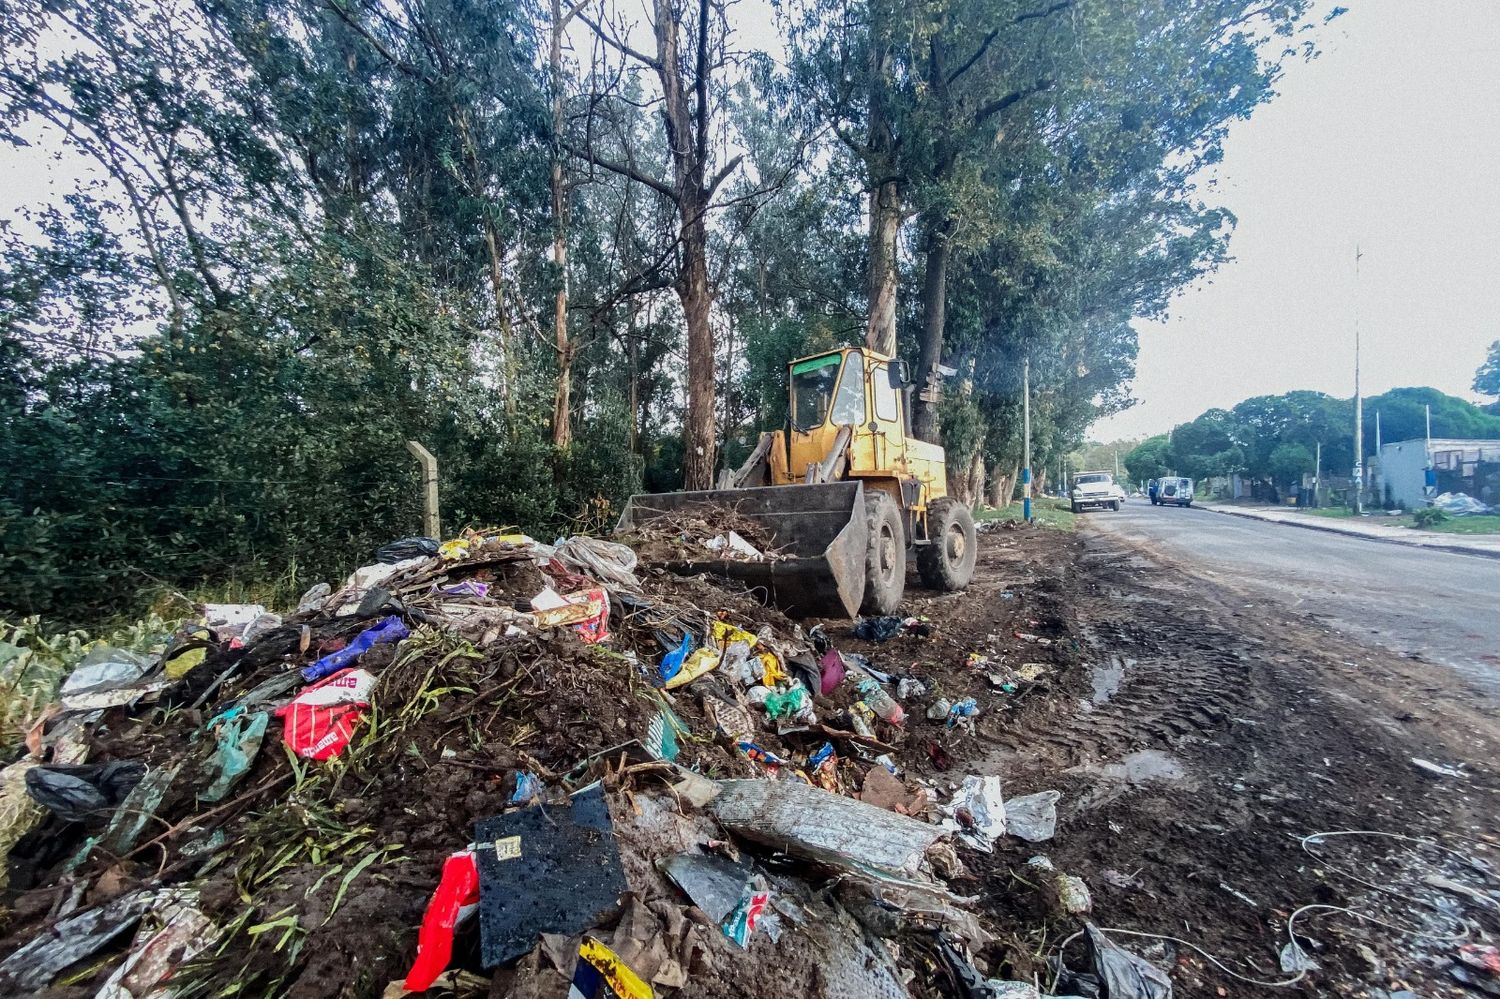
point(1176, 491)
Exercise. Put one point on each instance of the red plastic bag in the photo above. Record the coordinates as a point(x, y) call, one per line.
point(322, 719)
point(456, 897)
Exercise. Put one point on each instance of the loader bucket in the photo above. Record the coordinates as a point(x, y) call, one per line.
point(819, 531)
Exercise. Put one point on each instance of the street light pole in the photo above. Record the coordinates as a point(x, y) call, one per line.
point(1359, 403)
point(1026, 439)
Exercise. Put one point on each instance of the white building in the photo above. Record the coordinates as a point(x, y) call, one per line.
point(1469, 467)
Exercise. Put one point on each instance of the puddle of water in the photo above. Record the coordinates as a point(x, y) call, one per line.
point(1146, 765)
point(1106, 677)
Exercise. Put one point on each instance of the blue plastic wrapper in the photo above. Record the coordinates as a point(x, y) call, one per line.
point(824, 752)
point(671, 663)
point(966, 708)
point(527, 786)
point(390, 629)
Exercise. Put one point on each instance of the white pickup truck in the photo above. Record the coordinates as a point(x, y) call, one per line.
point(1095, 489)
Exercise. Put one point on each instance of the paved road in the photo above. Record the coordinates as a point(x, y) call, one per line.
point(1443, 606)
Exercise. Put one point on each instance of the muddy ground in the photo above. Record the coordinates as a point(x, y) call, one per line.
point(1198, 738)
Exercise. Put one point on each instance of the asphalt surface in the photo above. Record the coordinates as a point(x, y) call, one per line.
point(1443, 607)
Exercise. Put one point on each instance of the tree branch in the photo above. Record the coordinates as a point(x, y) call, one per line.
point(999, 104)
point(624, 170)
point(618, 44)
point(377, 44)
point(722, 175)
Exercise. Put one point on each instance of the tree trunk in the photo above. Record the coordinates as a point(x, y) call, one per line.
point(692, 289)
point(925, 423)
point(885, 225)
point(562, 403)
point(975, 490)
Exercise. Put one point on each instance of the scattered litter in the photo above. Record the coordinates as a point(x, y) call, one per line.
point(600, 974)
point(178, 932)
point(239, 737)
point(390, 629)
point(817, 825)
point(740, 923)
point(406, 548)
point(1068, 894)
point(977, 812)
point(1437, 768)
point(883, 704)
point(1032, 817)
point(36, 963)
point(698, 663)
point(1295, 959)
point(883, 789)
point(321, 720)
point(80, 793)
point(731, 543)
point(455, 899)
point(546, 870)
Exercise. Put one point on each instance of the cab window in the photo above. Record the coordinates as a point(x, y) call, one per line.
point(885, 396)
point(813, 383)
point(849, 405)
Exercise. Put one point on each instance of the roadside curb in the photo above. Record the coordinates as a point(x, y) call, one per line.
point(1329, 529)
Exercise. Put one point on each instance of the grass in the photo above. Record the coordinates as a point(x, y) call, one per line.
point(1045, 510)
point(1485, 524)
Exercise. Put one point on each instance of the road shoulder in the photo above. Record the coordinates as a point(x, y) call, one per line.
point(1483, 547)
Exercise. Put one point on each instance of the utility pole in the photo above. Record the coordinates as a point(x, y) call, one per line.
point(1026, 439)
point(1117, 464)
point(1429, 476)
point(1318, 477)
point(1359, 404)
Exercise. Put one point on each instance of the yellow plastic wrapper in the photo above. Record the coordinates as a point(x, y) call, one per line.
point(725, 634)
point(457, 548)
point(598, 966)
point(700, 661)
point(184, 664)
point(773, 673)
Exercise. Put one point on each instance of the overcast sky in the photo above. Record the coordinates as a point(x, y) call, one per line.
point(1391, 138)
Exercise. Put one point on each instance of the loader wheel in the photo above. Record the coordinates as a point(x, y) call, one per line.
point(885, 556)
point(947, 563)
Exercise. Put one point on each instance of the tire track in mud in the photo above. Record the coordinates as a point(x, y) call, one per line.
point(1162, 673)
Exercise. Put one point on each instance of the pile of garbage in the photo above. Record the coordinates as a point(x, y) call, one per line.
point(496, 766)
point(710, 531)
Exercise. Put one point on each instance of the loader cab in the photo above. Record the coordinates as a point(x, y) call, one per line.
point(848, 419)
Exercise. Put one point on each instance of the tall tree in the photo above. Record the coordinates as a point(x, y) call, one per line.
point(686, 75)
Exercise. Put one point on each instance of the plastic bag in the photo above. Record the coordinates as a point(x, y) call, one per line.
point(1124, 975)
point(697, 663)
point(321, 720)
point(740, 923)
point(239, 739)
point(671, 663)
point(1032, 817)
point(390, 629)
point(456, 898)
point(607, 561)
point(977, 812)
point(878, 629)
point(405, 548)
point(76, 794)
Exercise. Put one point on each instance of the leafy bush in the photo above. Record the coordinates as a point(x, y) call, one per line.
point(1429, 516)
point(34, 663)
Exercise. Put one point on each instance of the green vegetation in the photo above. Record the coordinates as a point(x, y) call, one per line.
point(1046, 511)
point(1428, 518)
point(1483, 524)
point(34, 662)
point(303, 234)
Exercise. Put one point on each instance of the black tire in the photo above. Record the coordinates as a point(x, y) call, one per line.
point(947, 562)
point(1115, 506)
point(1076, 507)
point(885, 555)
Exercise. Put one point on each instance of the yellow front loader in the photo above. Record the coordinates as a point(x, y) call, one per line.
point(845, 494)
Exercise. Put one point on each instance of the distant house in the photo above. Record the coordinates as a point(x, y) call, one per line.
point(1470, 467)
